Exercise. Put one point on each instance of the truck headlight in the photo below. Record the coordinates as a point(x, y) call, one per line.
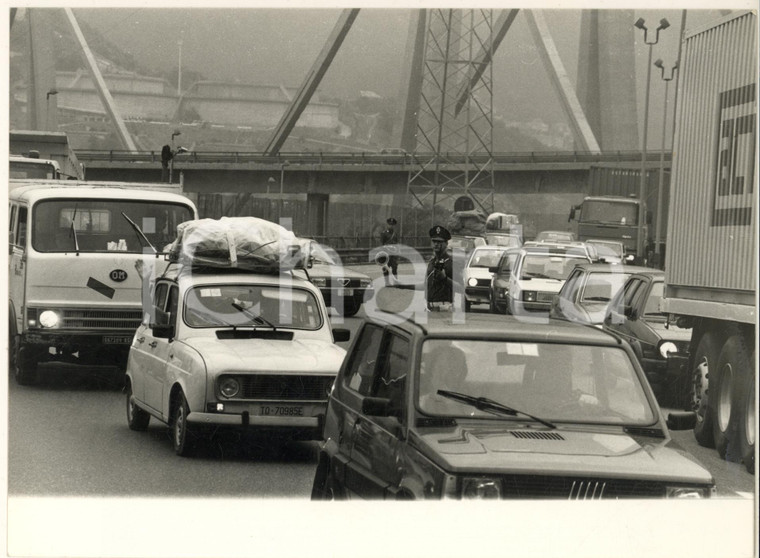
point(229, 387)
point(667, 347)
point(689, 492)
point(49, 319)
point(480, 488)
point(529, 296)
point(472, 282)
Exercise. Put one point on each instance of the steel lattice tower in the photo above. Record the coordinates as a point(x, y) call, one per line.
point(453, 153)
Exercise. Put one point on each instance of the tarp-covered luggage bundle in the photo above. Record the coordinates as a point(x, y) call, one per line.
point(246, 243)
point(471, 222)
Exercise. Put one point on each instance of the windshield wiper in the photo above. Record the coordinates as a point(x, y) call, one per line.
point(489, 405)
point(140, 234)
point(74, 230)
point(253, 316)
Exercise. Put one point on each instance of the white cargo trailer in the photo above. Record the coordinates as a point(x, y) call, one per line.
point(711, 261)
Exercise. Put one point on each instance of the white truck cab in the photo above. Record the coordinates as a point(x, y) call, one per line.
point(75, 293)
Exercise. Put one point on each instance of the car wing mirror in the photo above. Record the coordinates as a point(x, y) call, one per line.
point(630, 312)
point(682, 420)
point(493, 269)
point(162, 331)
point(341, 334)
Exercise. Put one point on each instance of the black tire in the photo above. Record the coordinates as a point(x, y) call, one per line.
point(184, 439)
point(705, 359)
point(743, 446)
point(320, 480)
point(722, 385)
point(350, 307)
point(25, 366)
point(137, 418)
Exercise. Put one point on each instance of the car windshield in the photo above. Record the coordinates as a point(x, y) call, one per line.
point(556, 382)
point(485, 258)
point(652, 307)
point(320, 255)
point(545, 266)
point(603, 249)
point(99, 226)
point(247, 305)
point(555, 236)
point(601, 287)
point(508, 241)
point(618, 212)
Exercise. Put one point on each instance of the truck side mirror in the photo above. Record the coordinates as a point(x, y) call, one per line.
point(163, 331)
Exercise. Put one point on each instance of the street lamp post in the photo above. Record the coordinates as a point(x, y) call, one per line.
point(47, 106)
point(657, 230)
point(171, 162)
point(640, 23)
point(179, 70)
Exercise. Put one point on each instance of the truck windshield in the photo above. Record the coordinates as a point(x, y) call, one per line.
point(100, 227)
point(19, 169)
point(602, 211)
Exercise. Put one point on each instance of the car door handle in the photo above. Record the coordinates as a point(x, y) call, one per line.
point(153, 344)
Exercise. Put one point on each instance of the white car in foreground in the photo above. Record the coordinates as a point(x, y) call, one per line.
point(232, 349)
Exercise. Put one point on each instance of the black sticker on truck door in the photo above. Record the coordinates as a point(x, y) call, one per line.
point(102, 288)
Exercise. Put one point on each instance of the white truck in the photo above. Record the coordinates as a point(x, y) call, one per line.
point(711, 263)
point(76, 250)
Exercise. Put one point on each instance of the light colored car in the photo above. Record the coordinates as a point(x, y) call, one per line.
point(538, 274)
point(465, 243)
point(225, 349)
point(610, 251)
point(504, 240)
point(496, 408)
point(343, 289)
point(477, 274)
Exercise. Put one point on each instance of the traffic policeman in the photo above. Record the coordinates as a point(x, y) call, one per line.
point(439, 281)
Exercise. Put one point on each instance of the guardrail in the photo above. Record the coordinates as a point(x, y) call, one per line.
point(294, 159)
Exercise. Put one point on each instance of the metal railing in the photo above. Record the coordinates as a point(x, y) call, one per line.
point(294, 159)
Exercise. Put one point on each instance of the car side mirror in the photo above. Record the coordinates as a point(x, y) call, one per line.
point(162, 331)
point(682, 420)
point(376, 406)
point(493, 269)
point(341, 334)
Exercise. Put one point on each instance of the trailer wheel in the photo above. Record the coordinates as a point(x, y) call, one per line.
point(733, 356)
point(705, 358)
point(744, 406)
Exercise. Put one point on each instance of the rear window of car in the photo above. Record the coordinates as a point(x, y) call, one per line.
point(557, 382)
point(248, 305)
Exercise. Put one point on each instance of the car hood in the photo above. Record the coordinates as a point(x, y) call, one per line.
point(478, 273)
point(671, 333)
point(305, 355)
point(495, 449)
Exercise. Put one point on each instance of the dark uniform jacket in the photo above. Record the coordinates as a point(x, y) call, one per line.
point(439, 290)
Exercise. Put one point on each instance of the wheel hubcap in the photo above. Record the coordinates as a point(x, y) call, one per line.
point(724, 400)
point(699, 393)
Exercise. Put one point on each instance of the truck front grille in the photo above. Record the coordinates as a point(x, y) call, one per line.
point(286, 388)
point(101, 319)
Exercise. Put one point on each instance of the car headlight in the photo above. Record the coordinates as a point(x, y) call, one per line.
point(502, 292)
point(319, 281)
point(667, 347)
point(229, 387)
point(364, 283)
point(472, 282)
point(529, 296)
point(49, 319)
point(480, 488)
point(689, 492)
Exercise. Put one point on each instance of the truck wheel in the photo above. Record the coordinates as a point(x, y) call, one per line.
point(722, 385)
point(137, 419)
point(744, 405)
point(25, 369)
point(705, 359)
point(183, 438)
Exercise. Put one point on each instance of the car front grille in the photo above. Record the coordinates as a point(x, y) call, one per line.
point(544, 296)
point(343, 283)
point(484, 283)
point(286, 388)
point(578, 488)
point(101, 319)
